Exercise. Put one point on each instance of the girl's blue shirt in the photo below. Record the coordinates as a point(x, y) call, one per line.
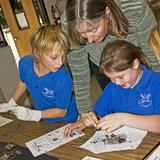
point(142, 99)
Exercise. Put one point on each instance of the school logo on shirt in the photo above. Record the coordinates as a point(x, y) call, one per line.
point(48, 93)
point(145, 100)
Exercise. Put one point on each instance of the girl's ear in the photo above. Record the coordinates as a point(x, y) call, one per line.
point(108, 12)
point(136, 64)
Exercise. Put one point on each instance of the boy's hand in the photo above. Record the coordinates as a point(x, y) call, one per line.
point(5, 107)
point(90, 119)
point(79, 125)
point(111, 122)
point(27, 114)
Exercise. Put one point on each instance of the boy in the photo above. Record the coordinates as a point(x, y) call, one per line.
point(48, 82)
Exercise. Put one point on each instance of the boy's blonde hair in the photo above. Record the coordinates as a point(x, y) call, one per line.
point(119, 55)
point(44, 38)
point(154, 40)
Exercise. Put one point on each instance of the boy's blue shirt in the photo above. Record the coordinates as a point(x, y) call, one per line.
point(53, 90)
point(142, 99)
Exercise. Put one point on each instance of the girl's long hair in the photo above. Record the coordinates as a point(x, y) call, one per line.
point(119, 55)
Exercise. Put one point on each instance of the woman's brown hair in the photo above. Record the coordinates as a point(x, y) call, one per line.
point(88, 11)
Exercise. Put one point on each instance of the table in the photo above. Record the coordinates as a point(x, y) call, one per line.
point(20, 132)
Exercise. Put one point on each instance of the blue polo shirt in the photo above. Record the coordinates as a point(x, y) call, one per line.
point(142, 99)
point(53, 90)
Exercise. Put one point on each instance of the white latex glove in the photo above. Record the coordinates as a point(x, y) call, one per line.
point(26, 114)
point(5, 107)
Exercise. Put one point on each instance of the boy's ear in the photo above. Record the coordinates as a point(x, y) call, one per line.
point(36, 55)
point(108, 12)
point(136, 64)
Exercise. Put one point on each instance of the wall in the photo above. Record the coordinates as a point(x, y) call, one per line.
point(8, 72)
point(2, 99)
point(9, 76)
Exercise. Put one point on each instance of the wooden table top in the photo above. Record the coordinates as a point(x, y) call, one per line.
point(20, 132)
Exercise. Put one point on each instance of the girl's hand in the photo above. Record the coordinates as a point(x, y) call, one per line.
point(90, 119)
point(111, 122)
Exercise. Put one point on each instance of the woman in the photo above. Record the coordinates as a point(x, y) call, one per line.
point(90, 24)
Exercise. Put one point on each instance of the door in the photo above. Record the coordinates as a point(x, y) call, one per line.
point(21, 24)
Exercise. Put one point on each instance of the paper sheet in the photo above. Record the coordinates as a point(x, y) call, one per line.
point(90, 158)
point(155, 155)
point(4, 121)
point(98, 144)
point(51, 141)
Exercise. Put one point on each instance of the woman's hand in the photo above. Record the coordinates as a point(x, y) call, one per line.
point(111, 122)
point(90, 119)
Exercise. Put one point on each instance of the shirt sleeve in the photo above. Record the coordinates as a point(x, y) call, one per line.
point(157, 100)
point(103, 106)
point(21, 70)
point(141, 22)
point(79, 65)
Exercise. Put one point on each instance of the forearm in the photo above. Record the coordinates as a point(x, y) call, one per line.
point(53, 113)
point(79, 66)
point(145, 25)
point(141, 21)
point(150, 123)
point(20, 89)
point(78, 62)
point(143, 34)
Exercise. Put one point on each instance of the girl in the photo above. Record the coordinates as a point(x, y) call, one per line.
point(90, 24)
point(48, 82)
point(132, 97)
